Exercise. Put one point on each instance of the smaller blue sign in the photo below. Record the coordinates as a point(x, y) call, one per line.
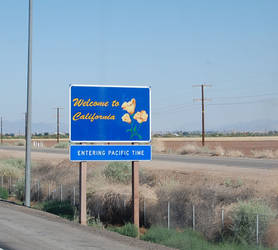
point(110, 153)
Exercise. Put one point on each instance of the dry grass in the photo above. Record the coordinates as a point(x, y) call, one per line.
point(234, 153)
point(189, 149)
point(271, 236)
point(12, 168)
point(208, 191)
point(158, 146)
point(195, 149)
point(219, 151)
point(268, 154)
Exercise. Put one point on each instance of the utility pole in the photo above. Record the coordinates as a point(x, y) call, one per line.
point(25, 124)
point(203, 116)
point(1, 131)
point(203, 109)
point(58, 123)
point(29, 113)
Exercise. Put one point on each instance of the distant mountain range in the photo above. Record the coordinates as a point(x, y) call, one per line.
point(17, 127)
point(251, 126)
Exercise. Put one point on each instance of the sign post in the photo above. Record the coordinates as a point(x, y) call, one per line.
point(107, 115)
point(83, 193)
point(135, 193)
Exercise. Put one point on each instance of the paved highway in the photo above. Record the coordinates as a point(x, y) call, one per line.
point(205, 160)
point(23, 228)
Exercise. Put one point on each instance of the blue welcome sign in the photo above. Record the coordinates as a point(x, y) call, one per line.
point(110, 113)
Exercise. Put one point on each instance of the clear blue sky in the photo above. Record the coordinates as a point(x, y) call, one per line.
point(170, 45)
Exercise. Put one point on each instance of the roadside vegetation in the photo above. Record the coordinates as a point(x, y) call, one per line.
point(4, 194)
point(128, 230)
point(188, 239)
point(63, 145)
point(63, 209)
point(13, 168)
point(109, 204)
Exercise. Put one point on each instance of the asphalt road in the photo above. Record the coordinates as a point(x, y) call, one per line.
point(23, 228)
point(205, 160)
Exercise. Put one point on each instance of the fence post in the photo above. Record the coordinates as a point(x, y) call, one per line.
point(193, 217)
point(73, 195)
point(144, 212)
point(169, 214)
point(10, 184)
point(38, 190)
point(48, 191)
point(257, 229)
point(222, 219)
point(61, 192)
point(2, 181)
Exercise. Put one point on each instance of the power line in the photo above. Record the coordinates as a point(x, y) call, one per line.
point(173, 105)
point(176, 110)
point(250, 96)
point(237, 103)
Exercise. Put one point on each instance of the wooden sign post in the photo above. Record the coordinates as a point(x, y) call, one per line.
point(83, 193)
point(135, 193)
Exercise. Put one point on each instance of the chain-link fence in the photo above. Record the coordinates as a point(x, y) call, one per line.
point(113, 208)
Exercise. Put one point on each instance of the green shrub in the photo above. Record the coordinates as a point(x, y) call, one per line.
point(118, 172)
point(17, 163)
point(4, 194)
point(61, 145)
point(244, 217)
point(188, 239)
point(95, 222)
point(127, 230)
point(181, 240)
point(63, 209)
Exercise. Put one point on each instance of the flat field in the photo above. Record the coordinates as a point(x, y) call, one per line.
point(248, 146)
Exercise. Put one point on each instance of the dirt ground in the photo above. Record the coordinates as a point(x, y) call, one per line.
point(246, 145)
